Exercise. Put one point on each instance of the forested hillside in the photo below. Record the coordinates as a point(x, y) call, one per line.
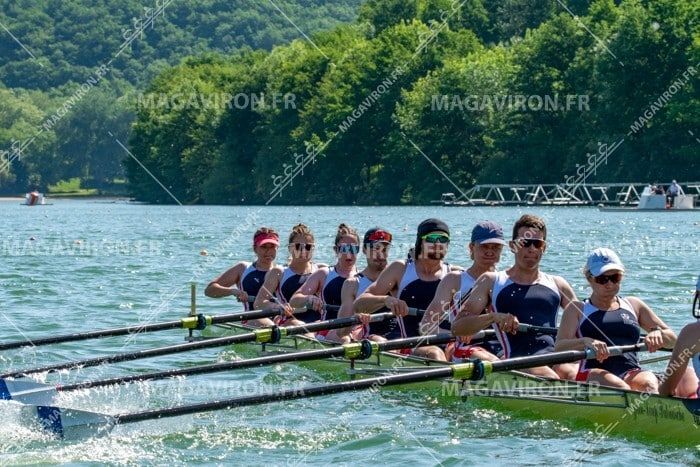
point(515, 91)
point(49, 48)
point(487, 90)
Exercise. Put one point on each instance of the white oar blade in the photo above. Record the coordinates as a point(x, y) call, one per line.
point(69, 423)
point(26, 392)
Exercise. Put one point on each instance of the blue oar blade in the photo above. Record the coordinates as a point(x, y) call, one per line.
point(26, 391)
point(68, 423)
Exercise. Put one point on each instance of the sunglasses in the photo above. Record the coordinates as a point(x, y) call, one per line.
point(603, 279)
point(379, 236)
point(528, 242)
point(436, 238)
point(300, 246)
point(346, 248)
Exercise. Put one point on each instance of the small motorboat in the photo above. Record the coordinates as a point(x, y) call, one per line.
point(650, 201)
point(34, 198)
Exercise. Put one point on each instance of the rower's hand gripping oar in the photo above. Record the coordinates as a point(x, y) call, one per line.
point(69, 422)
point(262, 335)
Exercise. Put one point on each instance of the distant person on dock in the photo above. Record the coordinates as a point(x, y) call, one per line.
point(658, 189)
point(520, 294)
point(245, 279)
point(674, 190)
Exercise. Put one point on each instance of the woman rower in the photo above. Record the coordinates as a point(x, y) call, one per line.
point(322, 291)
point(676, 381)
point(245, 279)
point(375, 246)
point(485, 249)
point(282, 282)
point(607, 319)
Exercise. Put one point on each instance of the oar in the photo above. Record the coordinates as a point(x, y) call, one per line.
point(68, 423)
point(262, 335)
point(32, 392)
point(29, 392)
point(198, 322)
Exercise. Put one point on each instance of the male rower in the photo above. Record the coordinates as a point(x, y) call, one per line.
point(375, 246)
point(244, 280)
point(485, 249)
point(687, 347)
point(520, 294)
point(411, 283)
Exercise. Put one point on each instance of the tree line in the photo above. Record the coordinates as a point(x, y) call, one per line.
point(64, 41)
point(489, 91)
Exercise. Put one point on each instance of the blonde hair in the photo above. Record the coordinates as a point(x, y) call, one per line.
point(300, 229)
point(346, 230)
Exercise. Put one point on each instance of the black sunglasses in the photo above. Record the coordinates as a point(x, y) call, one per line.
point(603, 279)
point(528, 242)
point(305, 246)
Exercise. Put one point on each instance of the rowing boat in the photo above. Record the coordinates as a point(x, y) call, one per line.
point(604, 411)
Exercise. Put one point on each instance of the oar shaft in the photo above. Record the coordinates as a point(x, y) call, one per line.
point(520, 363)
point(290, 394)
point(91, 335)
point(260, 335)
point(336, 351)
point(192, 322)
point(460, 371)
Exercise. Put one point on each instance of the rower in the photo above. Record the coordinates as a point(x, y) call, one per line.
point(606, 318)
point(676, 381)
point(245, 279)
point(375, 245)
point(411, 283)
point(485, 248)
point(323, 286)
point(281, 282)
point(520, 294)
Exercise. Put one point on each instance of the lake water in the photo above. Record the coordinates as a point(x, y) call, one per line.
point(82, 265)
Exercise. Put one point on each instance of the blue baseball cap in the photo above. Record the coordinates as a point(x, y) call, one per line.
point(488, 232)
point(602, 260)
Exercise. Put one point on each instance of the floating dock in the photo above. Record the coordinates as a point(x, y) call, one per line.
point(606, 194)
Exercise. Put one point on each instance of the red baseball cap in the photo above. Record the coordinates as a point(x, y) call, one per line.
point(264, 238)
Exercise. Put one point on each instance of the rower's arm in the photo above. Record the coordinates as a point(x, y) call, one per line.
point(224, 285)
point(649, 321)
point(439, 308)
point(374, 298)
point(311, 287)
point(264, 299)
point(470, 319)
point(567, 338)
point(566, 292)
point(686, 347)
point(347, 298)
